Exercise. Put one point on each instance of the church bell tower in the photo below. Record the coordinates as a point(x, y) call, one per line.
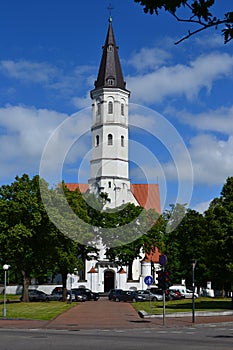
point(110, 100)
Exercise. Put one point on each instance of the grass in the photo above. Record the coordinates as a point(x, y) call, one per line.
point(185, 305)
point(10, 297)
point(36, 310)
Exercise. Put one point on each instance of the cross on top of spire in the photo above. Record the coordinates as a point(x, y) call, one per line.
point(110, 8)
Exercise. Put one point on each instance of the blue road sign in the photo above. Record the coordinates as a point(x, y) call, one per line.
point(149, 280)
point(162, 260)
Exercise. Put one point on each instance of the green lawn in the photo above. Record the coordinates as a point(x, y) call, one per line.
point(35, 310)
point(10, 297)
point(185, 305)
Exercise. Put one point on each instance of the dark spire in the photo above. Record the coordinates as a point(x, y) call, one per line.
point(110, 73)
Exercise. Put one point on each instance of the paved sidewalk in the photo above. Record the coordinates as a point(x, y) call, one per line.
point(105, 314)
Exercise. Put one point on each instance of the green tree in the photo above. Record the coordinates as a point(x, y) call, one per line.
point(195, 12)
point(24, 228)
point(219, 217)
point(71, 230)
point(185, 243)
point(130, 239)
point(31, 242)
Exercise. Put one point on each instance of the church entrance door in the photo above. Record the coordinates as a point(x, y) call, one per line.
point(109, 277)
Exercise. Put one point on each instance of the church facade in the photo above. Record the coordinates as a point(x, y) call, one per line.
point(110, 174)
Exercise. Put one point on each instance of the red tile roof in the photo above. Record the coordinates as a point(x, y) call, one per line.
point(82, 187)
point(153, 256)
point(147, 195)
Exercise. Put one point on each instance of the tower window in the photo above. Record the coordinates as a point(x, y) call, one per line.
point(122, 109)
point(98, 108)
point(109, 184)
point(110, 81)
point(97, 140)
point(110, 107)
point(110, 139)
point(122, 141)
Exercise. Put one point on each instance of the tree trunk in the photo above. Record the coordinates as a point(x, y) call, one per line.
point(64, 294)
point(26, 284)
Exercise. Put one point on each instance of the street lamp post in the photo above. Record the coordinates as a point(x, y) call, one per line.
point(5, 268)
point(193, 285)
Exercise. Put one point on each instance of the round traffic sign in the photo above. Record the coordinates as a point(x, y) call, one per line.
point(149, 280)
point(162, 260)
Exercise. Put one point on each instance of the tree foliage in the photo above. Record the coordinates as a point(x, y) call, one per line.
point(219, 247)
point(183, 245)
point(196, 12)
point(30, 241)
point(206, 238)
point(24, 229)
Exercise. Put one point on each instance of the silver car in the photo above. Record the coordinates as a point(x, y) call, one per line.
point(149, 295)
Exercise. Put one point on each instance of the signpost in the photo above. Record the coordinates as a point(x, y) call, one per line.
point(162, 261)
point(148, 281)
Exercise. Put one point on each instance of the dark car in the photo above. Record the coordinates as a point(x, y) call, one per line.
point(87, 293)
point(78, 295)
point(114, 292)
point(57, 294)
point(36, 295)
point(129, 295)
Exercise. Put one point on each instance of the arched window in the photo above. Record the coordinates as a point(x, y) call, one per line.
point(110, 81)
point(110, 107)
point(122, 141)
point(97, 140)
point(109, 184)
point(110, 48)
point(122, 109)
point(98, 108)
point(110, 139)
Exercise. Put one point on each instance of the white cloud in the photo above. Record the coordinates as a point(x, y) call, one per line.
point(218, 120)
point(28, 71)
point(81, 102)
point(66, 83)
point(212, 159)
point(201, 207)
point(148, 58)
point(208, 41)
point(181, 80)
point(24, 133)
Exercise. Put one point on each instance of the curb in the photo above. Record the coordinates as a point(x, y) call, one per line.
point(144, 314)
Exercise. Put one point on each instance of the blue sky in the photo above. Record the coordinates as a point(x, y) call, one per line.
point(181, 112)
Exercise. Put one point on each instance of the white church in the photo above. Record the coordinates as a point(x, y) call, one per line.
point(110, 174)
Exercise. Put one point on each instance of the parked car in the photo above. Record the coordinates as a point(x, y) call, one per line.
point(87, 292)
point(186, 293)
point(78, 295)
point(129, 295)
point(36, 295)
point(149, 295)
point(57, 294)
point(113, 293)
point(174, 295)
point(159, 291)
